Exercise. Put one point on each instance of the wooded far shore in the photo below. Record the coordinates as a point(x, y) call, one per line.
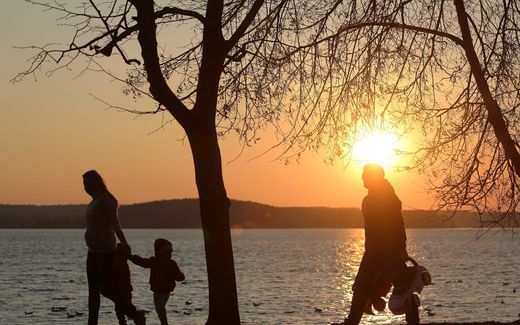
point(184, 213)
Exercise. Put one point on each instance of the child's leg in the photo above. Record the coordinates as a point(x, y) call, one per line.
point(159, 300)
point(120, 316)
point(120, 313)
point(107, 289)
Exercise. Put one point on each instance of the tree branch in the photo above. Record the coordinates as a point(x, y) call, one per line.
point(244, 25)
point(148, 41)
point(177, 11)
point(495, 117)
point(107, 49)
point(354, 27)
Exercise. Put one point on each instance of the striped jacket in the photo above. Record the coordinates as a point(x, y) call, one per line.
point(101, 215)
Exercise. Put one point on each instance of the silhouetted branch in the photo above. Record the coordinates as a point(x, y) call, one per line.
point(246, 22)
point(148, 41)
point(130, 110)
point(177, 11)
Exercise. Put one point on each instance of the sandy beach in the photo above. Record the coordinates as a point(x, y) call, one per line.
point(517, 322)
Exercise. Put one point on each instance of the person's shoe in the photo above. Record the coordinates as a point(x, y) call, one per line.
point(139, 318)
point(345, 322)
point(379, 304)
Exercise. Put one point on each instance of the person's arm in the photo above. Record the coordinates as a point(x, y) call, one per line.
point(138, 260)
point(179, 276)
point(111, 207)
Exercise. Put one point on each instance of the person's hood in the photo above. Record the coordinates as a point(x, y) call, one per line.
point(384, 188)
point(384, 191)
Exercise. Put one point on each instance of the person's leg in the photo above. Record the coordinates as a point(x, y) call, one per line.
point(122, 304)
point(93, 288)
point(364, 285)
point(120, 316)
point(119, 313)
point(357, 306)
point(412, 316)
point(107, 289)
point(159, 300)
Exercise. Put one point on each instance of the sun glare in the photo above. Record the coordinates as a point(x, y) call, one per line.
point(377, 147)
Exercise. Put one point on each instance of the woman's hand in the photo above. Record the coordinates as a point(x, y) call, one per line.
point(127, 251)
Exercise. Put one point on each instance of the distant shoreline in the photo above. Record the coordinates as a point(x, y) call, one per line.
point(184, 214)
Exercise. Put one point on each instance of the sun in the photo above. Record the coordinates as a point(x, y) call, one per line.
point(378, 147)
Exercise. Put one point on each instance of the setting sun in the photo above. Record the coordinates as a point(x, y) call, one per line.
point(377, 147)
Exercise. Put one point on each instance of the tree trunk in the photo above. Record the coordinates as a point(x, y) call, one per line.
point(495, 117)
point(214, 208)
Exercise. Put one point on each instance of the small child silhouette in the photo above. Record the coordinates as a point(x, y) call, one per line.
point(163, 274)
point(121, 279)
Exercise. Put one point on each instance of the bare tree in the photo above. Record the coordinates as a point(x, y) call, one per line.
point(232, 68)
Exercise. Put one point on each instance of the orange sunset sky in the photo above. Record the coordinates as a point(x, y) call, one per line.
point(52, 130)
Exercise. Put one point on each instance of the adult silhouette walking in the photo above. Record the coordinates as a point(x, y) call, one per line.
point(100, 235)
point(384, 259)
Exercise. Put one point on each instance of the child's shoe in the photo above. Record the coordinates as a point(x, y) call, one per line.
point(139, 318)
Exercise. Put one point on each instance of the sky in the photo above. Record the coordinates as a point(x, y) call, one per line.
point(53, 129)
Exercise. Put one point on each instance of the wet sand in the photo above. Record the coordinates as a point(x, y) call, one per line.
point(517, 322)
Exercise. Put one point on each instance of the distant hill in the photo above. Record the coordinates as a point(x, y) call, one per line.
point(184, 213)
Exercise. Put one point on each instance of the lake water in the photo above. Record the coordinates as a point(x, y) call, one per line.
point(283, 276)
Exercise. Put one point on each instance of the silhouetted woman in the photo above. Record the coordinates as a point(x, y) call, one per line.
point(100, 236)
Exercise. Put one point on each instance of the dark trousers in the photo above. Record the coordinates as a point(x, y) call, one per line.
point(372, 270)
point(99, 275)
point(160, 300)
point(119, 313)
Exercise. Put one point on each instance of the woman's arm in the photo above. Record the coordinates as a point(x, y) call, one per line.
point(114, 221)
point(111, 207)
point(119, 232)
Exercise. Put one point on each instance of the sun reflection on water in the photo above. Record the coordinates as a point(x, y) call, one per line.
point(348, 255)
